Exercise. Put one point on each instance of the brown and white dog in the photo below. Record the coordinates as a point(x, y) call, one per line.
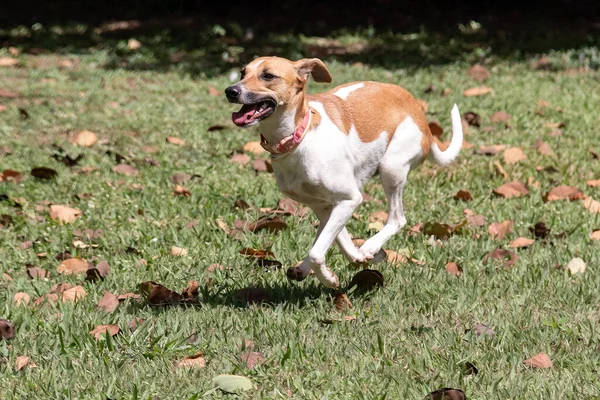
point(325, 147)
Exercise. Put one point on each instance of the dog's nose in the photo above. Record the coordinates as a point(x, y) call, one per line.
point(233, 92)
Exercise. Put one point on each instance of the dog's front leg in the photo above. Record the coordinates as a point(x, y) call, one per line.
point(340, 214)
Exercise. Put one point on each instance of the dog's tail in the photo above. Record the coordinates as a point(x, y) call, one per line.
point(448, 155)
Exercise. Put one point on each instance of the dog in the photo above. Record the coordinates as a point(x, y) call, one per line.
point(325, 147)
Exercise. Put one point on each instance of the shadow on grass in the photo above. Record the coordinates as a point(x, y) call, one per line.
point(220, 38)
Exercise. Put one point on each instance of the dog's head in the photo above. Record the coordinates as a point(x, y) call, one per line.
point(271, 82)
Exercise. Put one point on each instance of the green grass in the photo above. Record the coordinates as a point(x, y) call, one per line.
point(408, 339)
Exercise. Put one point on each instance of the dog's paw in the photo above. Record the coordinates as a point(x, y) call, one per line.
point(332, 282)
point(297, 273)
point(373, 255)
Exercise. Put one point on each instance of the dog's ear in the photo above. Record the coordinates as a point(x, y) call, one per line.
point(315, 67)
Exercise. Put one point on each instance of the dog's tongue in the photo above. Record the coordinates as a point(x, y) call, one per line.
point(245, 115)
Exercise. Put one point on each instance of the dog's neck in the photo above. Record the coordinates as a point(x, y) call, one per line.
point(284, 121)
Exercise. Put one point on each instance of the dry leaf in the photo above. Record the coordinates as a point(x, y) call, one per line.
point(341, 301)
point(262, 165)
point(507, 257)
point(453, 268)
point(521, 242)
point(9, 175)
point(8, 62)
point(394, 257)
point(477, 91)
point(472, 119)
point(7, 330)
point(37, 272)
point(175, 140)
point(380, 216)
point(125, 296)
point(593, 182)
point(157, 294)
point(500, 169)
point(540, 360)
point(478, 72)
point(213, 91)
point(366, 280)
point(271, 224)
point(563, 192)
point(100, 271)
point(595, 235)
point(108, 303)
point(61, 287)
point(481, 330)
point(195, 361)
point(22, 362)
point(180, 178)
point(133, 44)
point(463, 195)
point(576, 266)
point(257, 253)
point(252, 359)
point(135, 323)
point(125, 169)
point(376, 226)
point(591, 205)
point(21, 298)
point(491, 150)
point(254, 148)
point(74, 294)
point(498, 230)
point(513, 155)
point(512, 189)
point(73, 266)
point(292, 207)
point(440, 231)
point(501, 116)
point(181, 191)
point(64, 214)
point(191, 291)
point(543, 148)
point(241, 159)
point(85, 138)
point(179, 251)
point(476, 220)
point(99, 332)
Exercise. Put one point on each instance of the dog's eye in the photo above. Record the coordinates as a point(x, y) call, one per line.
point(267, 77)
point(242, 73)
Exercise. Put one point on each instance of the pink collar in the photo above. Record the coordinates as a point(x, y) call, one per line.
point(289, 142)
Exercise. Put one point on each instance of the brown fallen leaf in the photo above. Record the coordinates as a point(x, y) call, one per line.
point(436, 129)
point(477, 91)
point(241, 159)
point(478, 72)
point(593, 182)
point(73, 294)
point(84, 138)
point(125, 296)
point(195, 361)
point(498, 230)
point(483, 330)
point(135, 323)
point(213, 91)
point(61, 287)
point(521, 242)
point(380, 216)
point(100, 331)
point(252, 359)
point(37, 273)
point(48, 297)
point(292, 207)
point(563, 192)
point(181, 191)
point(595, 235)
point(512, 189)
point(472, 119)
point(179, 251)
point(8, 62)
point(180, 178)
point(108, 303)
point(271, 224)
point(21, 298)
point(251, 295)
point(262, 165)
point(446, 394)
point(440, 231)
point(257, 253)
point(463, 195)
point(453, 268)
point(254, 148)
point(591, 205)
point(540, 230)
point(508, 258)
point(476, 220)
point(7, 330)
point(157, 294)
point(73, 266)
point(191, 291)
point(366, 280)
point(125, 169)
point(9, 175)
point(501, 116)
point(64, 214)
point(543, 148)
point(491, 150)
point(341, 301)
point(540, 360)
point(100, 271)
point(175, 140)
point(133, 44)
point(393, 257)
point(22, 362)
point(514, 155)
point(500, 169)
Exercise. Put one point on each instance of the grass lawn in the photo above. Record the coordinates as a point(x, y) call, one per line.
point(410, 337)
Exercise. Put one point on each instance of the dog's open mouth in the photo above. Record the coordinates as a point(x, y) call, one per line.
point(250, 114)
